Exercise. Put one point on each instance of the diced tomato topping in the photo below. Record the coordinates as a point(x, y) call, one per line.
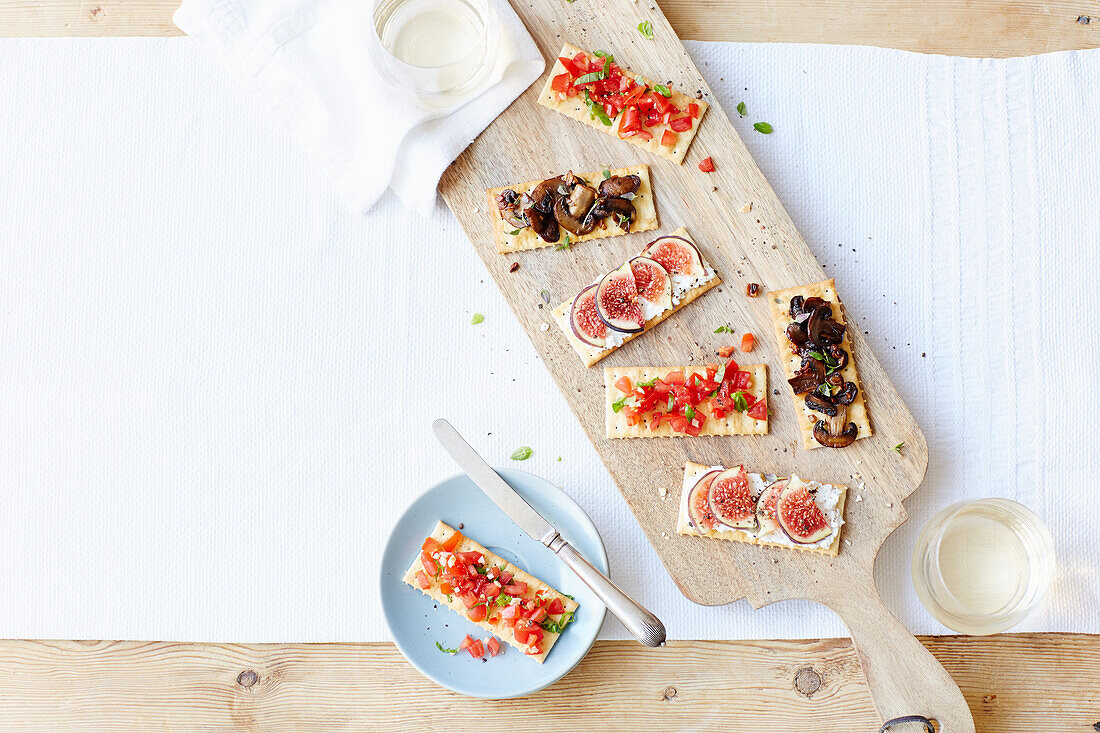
point(516, 588)
point(510, 611)
point(747, 342)
point(493, 646)
point(534, 650)
point(491, 590)
point(476, 649)
point(428, 564)
point(505, 577)
point(478, 612)
point(623, 384)
point(522, 631)
point(707, 166)
point(431, 546)
point(538, 615)
point(555, 607)
point(668, 138)
point(423, 579)
point(447, 588)
point(693, 110)
point(681, 124)
point(560, 83)
point(451, 542)
point(759, 410)
point(470, 558)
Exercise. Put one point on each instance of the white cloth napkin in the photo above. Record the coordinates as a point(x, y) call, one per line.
point(310, 61)
point(216, 381)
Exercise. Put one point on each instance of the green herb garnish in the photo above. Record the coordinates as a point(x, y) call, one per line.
point(617, 405)
point(663, 90)
point(762, 127)
point(566, 244)
point(606, 173)
point(604, 55)
point(689, 412)
point(646, 29)
point(521, 454)
point(596, 110)
point(445, 651)
point(590, 77)
point(647, 383)
point(741, 108)
point(723, 329)
point(739, 402)
point(512, 233)
point(816, 355)
point(503, 599)
point(899, 446)
point(556, 627)
point(478, 318)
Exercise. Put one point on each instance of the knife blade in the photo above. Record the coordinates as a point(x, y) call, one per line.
point(641, 622)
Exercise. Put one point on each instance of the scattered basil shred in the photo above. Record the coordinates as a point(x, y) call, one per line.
point(512, 233)
point(899, 446)
point(590, 77)
point(478, 318)
point(521, 454)
point(596, 110)
point(741, 108)
point(762, 127)
point(723, 329)
point(445, 651)
point(663, 90)
point(646, 29)
point(606, 173)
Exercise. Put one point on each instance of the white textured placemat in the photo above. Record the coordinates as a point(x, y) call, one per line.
point(216, 384)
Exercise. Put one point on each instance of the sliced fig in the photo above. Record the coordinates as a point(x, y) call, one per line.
point(799, 515)
point(653, 282)
point(676, 254)
point(617, 301)
point(731, 499)
point(702, 516)
point(766, 518)
point(585, 320)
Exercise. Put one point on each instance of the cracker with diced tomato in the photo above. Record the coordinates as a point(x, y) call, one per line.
point(779, 301)
point(431, 585)
point(511, 239)
point(669, 140)
point(623, 422)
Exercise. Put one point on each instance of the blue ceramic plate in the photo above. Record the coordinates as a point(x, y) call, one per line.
point(417, 622)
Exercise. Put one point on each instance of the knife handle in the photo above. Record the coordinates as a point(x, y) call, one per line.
point(640, 622)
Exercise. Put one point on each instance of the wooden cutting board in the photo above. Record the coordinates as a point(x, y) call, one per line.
point(530, 142)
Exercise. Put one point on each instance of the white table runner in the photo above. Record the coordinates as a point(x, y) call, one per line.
point(216, 384)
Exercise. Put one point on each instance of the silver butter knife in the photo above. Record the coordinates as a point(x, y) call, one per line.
point(640, 622)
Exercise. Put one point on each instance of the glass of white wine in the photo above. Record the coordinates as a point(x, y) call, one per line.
point(437, 53)
point(981, 566)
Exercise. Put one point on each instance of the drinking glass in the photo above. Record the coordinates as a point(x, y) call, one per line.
point(981, 566)
point(435, 53)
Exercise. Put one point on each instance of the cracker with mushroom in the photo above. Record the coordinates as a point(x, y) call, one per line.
point(817, 358)
point(584, 206)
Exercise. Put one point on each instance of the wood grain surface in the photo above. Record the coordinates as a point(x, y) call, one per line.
point(1024, 683)
point(994, 28)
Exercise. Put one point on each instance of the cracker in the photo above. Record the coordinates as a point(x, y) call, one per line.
point(645, 213)
point(736, 423)
point(693, 471)
point(592, 354)
point(576, 108)
point(780, 301)
point(441, 533)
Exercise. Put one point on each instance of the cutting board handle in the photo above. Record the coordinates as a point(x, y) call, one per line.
point(903, 676)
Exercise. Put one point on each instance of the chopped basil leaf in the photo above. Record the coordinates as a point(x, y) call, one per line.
point(590, 77)
point(899, 446)
point(606, 67)
point(556, 627)
point(604, 55)
point(503, 599)
point(596, 110)
point(606, 173)
point(762, 127)
point(521, 454)
point(478, 318)
point(689, 412)
point(648, 382)
point(445, 651)
point(646, 29)
point(512, 233)
point(817, 355)
point(662, 90)
point(741, 108)
point(569, 596)
point(617, 405)
point(723, 329)
point(739, 402)
point(481, 571)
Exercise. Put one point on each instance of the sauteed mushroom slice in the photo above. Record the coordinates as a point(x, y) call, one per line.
point(821, 329)
point(817, 403)
point(622, 210)
point(544, 224)
point(617, 186)
point(847, 395)
point(546, 192)
point(829, 440)
point(572, 209)
point(513, 208)
point(809, 377)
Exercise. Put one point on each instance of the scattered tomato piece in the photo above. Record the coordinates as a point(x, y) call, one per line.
point(752, 290)
point(706, 165)
point(747, 342)
point(726, 351)
point(493, 646)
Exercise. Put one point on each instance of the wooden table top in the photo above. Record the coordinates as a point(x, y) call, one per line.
point(1013, 682)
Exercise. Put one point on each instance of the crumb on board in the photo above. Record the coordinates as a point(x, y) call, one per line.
point(662, 492)
point(545, 326)
point(746, 208)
